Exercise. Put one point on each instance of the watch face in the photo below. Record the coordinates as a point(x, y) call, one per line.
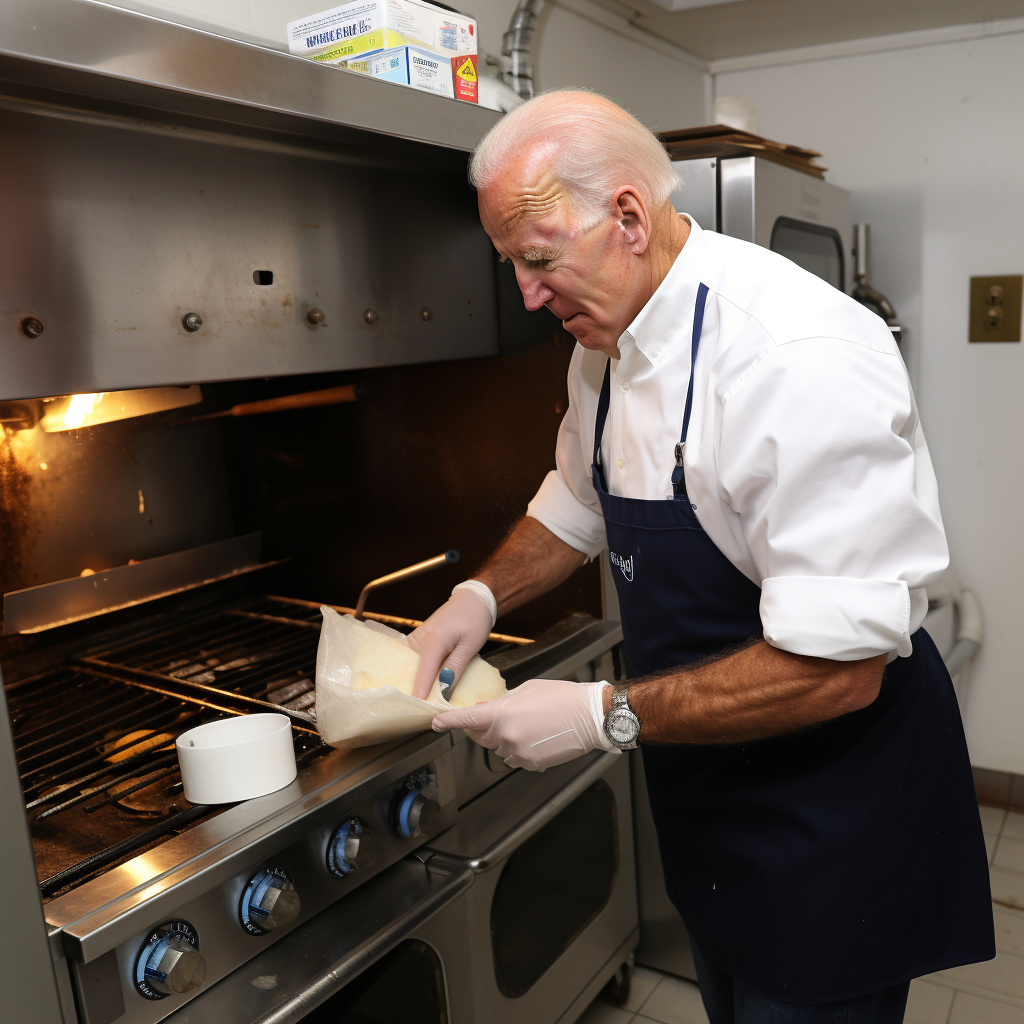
point(622, 726)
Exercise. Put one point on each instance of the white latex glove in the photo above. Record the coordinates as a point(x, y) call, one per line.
point(452, 635)
point(539, 724)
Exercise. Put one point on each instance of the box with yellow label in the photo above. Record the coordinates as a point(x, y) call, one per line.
point(362, 28)
point(465, 77)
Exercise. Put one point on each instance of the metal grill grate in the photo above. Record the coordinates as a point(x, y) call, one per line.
point(95, 736)
point(257, 653)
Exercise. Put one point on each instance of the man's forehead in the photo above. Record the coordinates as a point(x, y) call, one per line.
point(528, 165)
point(525, 196)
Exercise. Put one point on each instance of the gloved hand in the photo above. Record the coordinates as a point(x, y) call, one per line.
point(452, 635)
point(539, 724)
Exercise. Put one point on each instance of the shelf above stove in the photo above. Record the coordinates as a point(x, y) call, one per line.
point(102, 54)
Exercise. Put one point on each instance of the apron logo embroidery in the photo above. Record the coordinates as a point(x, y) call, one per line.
point(625, 564)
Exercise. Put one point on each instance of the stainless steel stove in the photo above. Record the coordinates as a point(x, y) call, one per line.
point(158, 916)
point(152, 899)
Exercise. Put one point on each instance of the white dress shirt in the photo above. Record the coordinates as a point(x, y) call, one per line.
point(805, 461)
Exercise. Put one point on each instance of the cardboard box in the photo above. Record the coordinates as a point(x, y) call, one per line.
point(408, 65)
point(365, 27)
point(465, 78)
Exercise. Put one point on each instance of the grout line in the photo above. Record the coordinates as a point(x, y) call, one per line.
point(657, 985)
point(976, 990)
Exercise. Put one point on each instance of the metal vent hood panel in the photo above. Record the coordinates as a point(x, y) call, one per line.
point(150, 171)
point(95, 50)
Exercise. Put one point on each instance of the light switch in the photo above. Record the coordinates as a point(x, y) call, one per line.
point(996, 308)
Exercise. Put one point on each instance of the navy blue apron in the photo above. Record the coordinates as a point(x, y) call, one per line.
point(818, 866)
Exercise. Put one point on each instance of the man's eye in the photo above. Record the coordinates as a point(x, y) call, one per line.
point(540, 264)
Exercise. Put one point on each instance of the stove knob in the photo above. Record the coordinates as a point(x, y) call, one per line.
point(415, 815)
point(170, 962)
point(269, 901)
point(348, 845)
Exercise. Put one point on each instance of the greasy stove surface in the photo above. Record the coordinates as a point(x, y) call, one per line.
point(95, 737)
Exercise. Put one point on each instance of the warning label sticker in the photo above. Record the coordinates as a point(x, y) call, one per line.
point(465, 78)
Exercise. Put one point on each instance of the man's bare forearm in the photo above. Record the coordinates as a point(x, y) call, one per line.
point(752, 694)
point(530, 561)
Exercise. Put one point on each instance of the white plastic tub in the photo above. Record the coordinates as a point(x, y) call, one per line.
point(236, 758)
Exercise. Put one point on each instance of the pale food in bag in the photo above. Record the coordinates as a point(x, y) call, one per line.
point(364, 681)
point(383, 660)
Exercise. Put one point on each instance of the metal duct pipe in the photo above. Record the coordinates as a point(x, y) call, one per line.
point(517, 48)
point(862, 291)
point(969, 634)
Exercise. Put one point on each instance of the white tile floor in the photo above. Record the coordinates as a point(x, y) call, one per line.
point(989, 993)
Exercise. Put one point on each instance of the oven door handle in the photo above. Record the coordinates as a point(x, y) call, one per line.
point(504, 847)
point(339, 974)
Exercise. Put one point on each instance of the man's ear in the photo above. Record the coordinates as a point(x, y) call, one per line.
point(631, 214)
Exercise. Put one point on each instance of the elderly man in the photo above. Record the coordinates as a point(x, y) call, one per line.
point(744, 439)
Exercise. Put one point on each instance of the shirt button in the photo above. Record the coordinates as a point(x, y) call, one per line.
point(655, 355)
point(624, 385)
point(621, 463)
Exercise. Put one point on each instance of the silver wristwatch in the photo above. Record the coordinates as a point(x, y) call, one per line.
point(621, 725)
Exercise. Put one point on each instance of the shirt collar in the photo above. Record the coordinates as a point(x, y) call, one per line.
point(667, 314)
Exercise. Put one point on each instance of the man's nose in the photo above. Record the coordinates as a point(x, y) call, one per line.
point(535, 291)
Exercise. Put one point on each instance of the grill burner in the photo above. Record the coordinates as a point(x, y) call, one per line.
point(92, 737)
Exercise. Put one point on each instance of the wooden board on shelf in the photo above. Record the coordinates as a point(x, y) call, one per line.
point(719, 140)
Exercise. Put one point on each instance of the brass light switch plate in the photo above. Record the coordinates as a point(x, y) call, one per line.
point(996, 307)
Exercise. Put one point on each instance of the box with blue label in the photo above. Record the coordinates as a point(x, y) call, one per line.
point(408, 65)
point(361, 28)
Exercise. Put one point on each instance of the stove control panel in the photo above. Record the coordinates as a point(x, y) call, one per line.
point(416, 811)
point(170, 962)
point(269, 901)
point(353, 821)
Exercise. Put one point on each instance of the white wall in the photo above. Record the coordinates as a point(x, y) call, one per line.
point(661, 91)
point(930, 141)
point(595, 49)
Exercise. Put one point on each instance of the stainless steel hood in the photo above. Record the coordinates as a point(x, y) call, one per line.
point(101, 52)
point(174, 206)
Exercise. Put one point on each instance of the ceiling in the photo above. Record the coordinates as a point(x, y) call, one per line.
point(760, 26)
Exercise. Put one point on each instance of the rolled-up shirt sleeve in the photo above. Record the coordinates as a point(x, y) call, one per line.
point(566, 502)
point(822, 457)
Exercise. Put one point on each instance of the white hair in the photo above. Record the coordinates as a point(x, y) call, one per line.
point(595, 147)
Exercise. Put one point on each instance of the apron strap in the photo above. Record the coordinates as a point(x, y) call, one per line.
point(698, 325)
point(678, 485)
point(602, 415)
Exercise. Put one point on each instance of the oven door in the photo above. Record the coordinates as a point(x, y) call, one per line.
point(358, 962)
point(552, 913)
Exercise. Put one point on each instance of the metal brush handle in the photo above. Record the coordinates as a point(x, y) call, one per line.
point(448, 558)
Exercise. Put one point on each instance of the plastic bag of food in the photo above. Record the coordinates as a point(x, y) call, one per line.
point(364, 679)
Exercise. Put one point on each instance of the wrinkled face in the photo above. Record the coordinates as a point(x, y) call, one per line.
point(585, 276)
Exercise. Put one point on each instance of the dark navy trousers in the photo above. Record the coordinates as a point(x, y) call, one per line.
point(730, 1001)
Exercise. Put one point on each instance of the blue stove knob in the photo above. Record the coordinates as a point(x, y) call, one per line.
point(170, 962)
point(269, 901)
point(348, 846)
point(415, 814)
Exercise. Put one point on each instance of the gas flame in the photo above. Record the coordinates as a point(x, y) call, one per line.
point(80, 409)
